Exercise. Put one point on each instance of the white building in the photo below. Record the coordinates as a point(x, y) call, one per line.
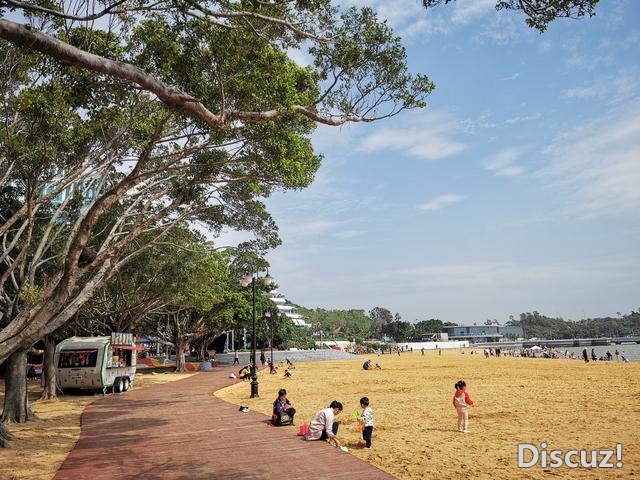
point(287, 310)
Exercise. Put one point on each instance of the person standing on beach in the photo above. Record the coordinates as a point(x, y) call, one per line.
point(323, 426)
point(585, 355)
point(461, 402)
point(236, 358)
point(366, 421)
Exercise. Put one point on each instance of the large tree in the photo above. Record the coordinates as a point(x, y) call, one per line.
point(121, 121)
point(157, 113)
point(539, 13)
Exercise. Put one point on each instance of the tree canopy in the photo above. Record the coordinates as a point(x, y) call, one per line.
point(124, 121)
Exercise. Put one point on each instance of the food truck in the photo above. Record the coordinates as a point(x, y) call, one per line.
point(96, 363)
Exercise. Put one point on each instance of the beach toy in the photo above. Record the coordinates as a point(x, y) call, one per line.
point(303, 430)
point(355, 414)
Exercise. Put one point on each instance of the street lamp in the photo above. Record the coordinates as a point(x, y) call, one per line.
point(250, 278)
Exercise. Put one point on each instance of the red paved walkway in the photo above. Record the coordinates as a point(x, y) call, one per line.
point(179, 430)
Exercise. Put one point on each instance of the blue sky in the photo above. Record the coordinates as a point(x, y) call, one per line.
point(517, 189)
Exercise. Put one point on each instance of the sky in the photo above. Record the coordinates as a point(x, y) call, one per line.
point(516, 190)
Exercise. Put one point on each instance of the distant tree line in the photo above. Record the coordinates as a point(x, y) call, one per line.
point(536, 325)
point(380, 323)
point(377, 324)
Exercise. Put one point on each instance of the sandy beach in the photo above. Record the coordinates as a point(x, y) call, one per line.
point(567, 404)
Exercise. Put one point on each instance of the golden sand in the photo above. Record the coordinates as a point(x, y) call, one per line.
point(567, 404)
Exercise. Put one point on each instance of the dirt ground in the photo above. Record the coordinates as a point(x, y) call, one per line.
point(40, 447)
point(567, 404)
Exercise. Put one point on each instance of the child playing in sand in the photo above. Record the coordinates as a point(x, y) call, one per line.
point(461, 402)
point(366, 421)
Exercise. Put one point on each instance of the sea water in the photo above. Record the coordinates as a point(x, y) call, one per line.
point(631, 351)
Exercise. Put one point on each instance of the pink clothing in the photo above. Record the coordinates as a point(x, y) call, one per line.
point(321, 422)
point(461, 400)
point(463, 418)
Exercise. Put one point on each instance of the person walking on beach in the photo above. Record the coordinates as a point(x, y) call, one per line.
point(366, 421)
point(323, 425)
point(585, 355)
point(236, 358)
point(461, 402)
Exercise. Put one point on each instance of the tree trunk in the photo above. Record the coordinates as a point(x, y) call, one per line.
point(16, 400)
point(5, 436)
point(49, 371)
point(181, 364)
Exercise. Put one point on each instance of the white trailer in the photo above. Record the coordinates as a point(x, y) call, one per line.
point(96, 363)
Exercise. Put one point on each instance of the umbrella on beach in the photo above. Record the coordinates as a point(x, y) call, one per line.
point(535, 347)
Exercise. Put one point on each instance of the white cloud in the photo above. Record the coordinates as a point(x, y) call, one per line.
point(503, 162)
point(524, 118)
point(597, 166)
point(412, 20)
point(314, 227)
point(466, 11)
point(620, 87)
point(587, 62)
point(472, 125)
point(428, 137)
point(398, 18)
point(424, 26)
point(511, 77)
point(441, 201)
point(503, 29)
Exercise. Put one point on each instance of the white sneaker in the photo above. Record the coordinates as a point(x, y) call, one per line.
point(466, 431)
point(344, 449)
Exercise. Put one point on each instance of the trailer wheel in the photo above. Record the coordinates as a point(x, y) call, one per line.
point(117, 385)
point(125, 384)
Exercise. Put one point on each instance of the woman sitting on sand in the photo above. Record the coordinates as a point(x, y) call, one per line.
point(323, 426)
